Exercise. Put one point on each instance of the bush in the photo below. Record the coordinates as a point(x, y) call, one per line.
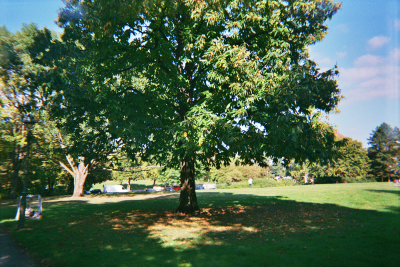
point(259, 183)
point(3, 194)
point(332, 179)
point(326, 180)
point(347, 180)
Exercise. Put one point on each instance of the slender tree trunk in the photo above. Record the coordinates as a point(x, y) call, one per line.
point(50, 185)
point(188, 200)
point(16, 166)
point(70, 188)
point(129, 185)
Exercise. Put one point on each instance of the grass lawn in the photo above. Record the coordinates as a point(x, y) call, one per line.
point(320, 225)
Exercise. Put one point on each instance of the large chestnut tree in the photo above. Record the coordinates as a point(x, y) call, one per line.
point(191, 82)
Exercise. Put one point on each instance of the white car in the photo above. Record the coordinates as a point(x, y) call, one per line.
point(114, 189)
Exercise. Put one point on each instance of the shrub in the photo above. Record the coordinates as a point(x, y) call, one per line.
point(259, 183)
point(347, 179)
point(326, 180)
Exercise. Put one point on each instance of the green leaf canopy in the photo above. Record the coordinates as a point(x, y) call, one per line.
point(205, 78)
point(199, 81)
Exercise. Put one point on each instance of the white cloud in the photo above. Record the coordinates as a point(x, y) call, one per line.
point(395, 55)
point(341, 54)
point(369, 60)
point(397, 24)
point(371, 77)
point(378, 41)
point(324, 61)
point(321, 59)
point(344, 28)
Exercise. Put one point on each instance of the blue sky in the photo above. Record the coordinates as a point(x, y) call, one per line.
point(363, 40)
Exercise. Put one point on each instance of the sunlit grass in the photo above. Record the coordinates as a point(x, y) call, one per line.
point(321, 225)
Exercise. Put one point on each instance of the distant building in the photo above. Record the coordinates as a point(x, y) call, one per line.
point(339, 135)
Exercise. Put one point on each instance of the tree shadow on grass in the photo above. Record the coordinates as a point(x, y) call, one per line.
point(231, 230)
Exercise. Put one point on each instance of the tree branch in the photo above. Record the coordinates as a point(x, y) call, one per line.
point(66, 168)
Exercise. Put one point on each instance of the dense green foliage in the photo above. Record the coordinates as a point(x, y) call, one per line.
point(24, 89)
point(384, 152)
point(19, 96)
point(194, 82)
point(186, 77)
point(351, 163)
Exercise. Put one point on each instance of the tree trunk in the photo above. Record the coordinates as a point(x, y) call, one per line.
point(50, 185)
point(70, 185)
point(188, 200)
point(129, 185)
point(16, 166)
point(80, 174)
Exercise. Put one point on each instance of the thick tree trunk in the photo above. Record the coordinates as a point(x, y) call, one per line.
point(80, 174)
point(188, 200)
point(79, 181)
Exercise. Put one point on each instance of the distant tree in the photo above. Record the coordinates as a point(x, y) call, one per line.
point(24, 83)
point(278, 168)
point(85, 170)
point(301, 170)
point(384, 151)
point(235, 172)
point(96, 176)
point(350, 163)
point(396, 152)
point(18, 92)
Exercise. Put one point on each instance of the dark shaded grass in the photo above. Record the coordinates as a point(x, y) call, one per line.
point(231, 230)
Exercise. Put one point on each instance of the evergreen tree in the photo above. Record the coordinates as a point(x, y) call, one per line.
point(384, 152)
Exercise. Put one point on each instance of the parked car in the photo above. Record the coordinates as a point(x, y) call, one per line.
point(114, 189)
point(94, 191)
point(176, 187)
point(210, 186)
point(199, 187)
point(158, 188)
